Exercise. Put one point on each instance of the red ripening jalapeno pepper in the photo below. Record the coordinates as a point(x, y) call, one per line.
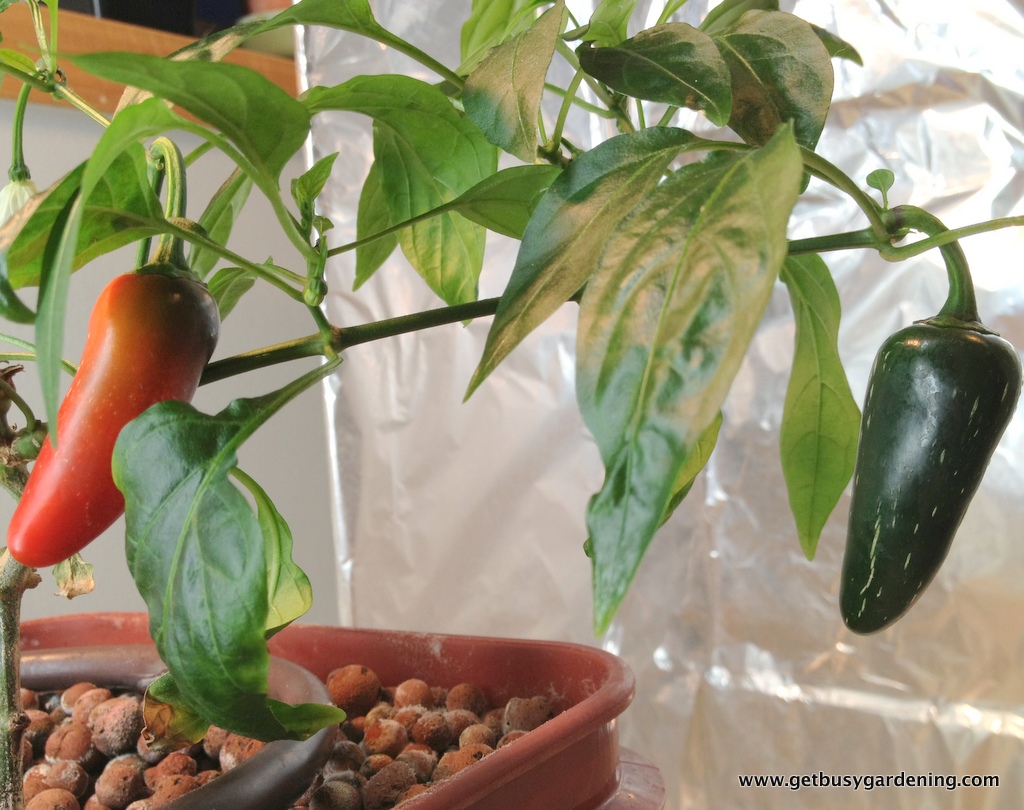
point(150, 335)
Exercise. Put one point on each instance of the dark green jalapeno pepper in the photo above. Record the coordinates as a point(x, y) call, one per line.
point(940, 394)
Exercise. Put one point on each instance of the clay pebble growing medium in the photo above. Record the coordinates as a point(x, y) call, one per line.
point(83, 748)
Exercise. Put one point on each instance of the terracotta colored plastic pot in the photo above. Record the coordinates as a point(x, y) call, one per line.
point(572, 762)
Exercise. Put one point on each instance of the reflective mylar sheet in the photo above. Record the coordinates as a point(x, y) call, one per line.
point(469, 517)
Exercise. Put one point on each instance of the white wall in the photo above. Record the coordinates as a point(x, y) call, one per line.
point(288, 456)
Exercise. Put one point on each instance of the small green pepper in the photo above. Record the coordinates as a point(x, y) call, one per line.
point(938, 401)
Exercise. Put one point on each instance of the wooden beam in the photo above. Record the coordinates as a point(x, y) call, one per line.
point(82, 33)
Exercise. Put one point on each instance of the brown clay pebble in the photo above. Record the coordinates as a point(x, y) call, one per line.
point(421, 762)
point(454, 761)
point(353, 728)
point(526, 714)
point(385, 737)
point(116, 725)
point(29, 699)
point(384, 788)
point(374, 763)
point(92, 803)
point(494, 720)
point(87, 701)
point(69, 776)
point(175, 763)
point(411, 793)
point(121, 782)
point(477, 734)
point(459, 720)
point(345, 756)
point(72, 741)
point(382, 711)
point(172, 787)
point(354, 778)
point(213, 740)
point(236, 750)
point(40, 724)
point(408, 715)
point(33, 781)
point(354, 688)
point(54, 799)
point(335, 796)
point(469, 697)
point(207, 776)
point(72, 693)
point(511, 737)
point(432, 729)
point(414, 692)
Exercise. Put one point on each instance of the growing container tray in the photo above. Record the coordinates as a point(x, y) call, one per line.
point(572, 762)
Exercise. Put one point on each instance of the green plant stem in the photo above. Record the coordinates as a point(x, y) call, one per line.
point(40, 31)
point(71, 97)
point(563, 112)
point(836, 241)
point(961, 304)
point(667, 116)
point(19, 171)
point(10, 393)
point(15, 579)
point(337, 339)
point(311, 346)
point(387, 38)
point(170, 248)
point(279, 278)
point(824, 170)
point(586, 106)
point(901, 252)
point(349, 336)
point(625, 123)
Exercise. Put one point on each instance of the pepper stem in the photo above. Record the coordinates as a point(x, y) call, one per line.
point(170, 249)
point(961, 303)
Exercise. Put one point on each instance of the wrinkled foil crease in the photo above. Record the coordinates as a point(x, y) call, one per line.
point(469, 517)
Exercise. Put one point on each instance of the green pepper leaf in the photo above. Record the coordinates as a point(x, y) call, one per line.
point(725, 15)
point(820, 419)
point(780, 72)
point(696, 459)
point(307, 187)
point(264, 122)
point(609, 22)
point(837, 47)
point(502, 95)
point(348, 15)
point(289, 593)
point(372, 217)
point(214, 580)
point(428, 155)
point(672, 63)
point(122, 188)
point(505, 201)
point(218, 219)
point(664, 324)
point(228, 285)
point(502, 202)
point(569, 227)
point(17, 60)
point(490, 23)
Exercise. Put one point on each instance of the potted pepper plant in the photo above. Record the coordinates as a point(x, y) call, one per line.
point(669, 242)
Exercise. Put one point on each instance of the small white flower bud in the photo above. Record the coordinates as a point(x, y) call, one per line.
point(13, 196)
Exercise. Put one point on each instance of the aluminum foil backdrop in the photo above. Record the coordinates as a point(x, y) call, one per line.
point(469, 518)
